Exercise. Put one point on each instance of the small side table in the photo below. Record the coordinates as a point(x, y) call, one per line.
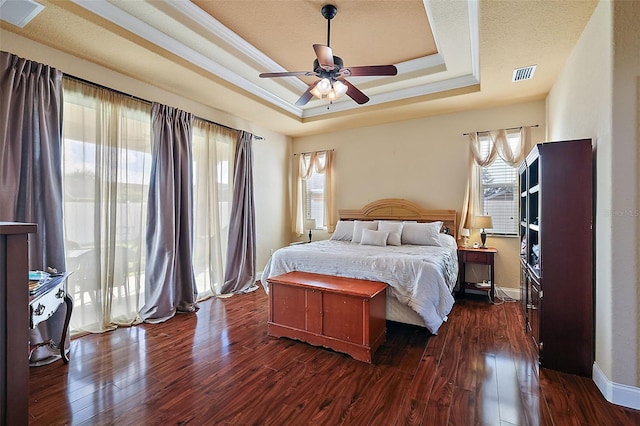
point(43, 303)
point(482, 256)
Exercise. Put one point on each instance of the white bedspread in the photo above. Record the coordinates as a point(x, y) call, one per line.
point(421, 277)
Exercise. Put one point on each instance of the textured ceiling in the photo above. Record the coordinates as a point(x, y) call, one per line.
point(451, 55)
point(362, 33)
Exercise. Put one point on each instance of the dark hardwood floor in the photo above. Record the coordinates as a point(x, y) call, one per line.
point(218, 366)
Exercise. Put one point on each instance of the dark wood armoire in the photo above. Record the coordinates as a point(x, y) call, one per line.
point(557, 237)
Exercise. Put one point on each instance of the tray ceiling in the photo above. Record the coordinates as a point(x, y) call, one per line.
point(450, 55)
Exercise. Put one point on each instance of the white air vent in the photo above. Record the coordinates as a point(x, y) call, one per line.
point(525, 73)
point(19, 12)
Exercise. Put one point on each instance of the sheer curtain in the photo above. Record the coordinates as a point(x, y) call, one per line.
point(106, 163)
point(303, 167)
point(30, 174)
point(213, 159)
point(499, 146)
point(170, 285)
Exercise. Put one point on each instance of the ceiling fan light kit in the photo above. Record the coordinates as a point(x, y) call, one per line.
point(330, 90)
point(331, 72)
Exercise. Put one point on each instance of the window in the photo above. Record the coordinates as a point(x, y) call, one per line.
point(314, 191)
point(499, 189)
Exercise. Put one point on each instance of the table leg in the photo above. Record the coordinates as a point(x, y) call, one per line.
point(493, 284)
point(67, 318)
point(463, 283)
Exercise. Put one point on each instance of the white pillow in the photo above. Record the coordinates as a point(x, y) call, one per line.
point(394, 229)
point(447, 240)
point(343, 231)
point(359, 225)
point(374, 238)
point(421, 234)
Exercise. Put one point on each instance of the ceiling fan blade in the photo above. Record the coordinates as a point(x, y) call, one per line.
point(354, 93)
point(325, 56)
point(369, 70)
point(286, 74)
point(306, 96)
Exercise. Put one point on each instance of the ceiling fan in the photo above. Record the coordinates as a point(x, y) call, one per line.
point(331, 72)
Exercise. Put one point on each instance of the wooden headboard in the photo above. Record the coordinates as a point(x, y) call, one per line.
point(399, 209)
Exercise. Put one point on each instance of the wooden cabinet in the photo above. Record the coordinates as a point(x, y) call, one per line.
point(556, 232)
point(14, 317)
point(534, 307)
point(344, 314)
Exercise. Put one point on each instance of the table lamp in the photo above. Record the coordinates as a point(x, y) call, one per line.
point(465, 237)
point(483, 222)
point(311, 224)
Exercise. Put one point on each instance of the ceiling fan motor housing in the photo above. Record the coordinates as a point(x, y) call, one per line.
point(338, 65)
point(329, 11)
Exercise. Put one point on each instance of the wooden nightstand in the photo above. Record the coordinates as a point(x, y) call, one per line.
point(482, 256)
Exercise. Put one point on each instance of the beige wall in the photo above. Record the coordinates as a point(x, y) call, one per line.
point(625, 195)
point(271, 156)
point(596, 96)
point(423, 160)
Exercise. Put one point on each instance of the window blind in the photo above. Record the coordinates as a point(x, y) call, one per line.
point(499, 189)
point(314, 196)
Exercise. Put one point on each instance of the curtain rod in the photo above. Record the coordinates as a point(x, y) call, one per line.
point(311, 152)
point(510, 128)
point(91, 83)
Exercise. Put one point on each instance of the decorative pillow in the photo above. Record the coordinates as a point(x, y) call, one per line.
point(359, 225)
point(374, 238)
point(421, 234)
point(343, 231)
point(394, 229)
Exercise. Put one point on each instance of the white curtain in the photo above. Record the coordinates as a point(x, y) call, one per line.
point(513, 156)
point(304, 165)
point(498, 146)
point(106, 167)
point(213, 152)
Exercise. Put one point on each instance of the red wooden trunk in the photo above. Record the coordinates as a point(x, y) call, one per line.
point(343, 314)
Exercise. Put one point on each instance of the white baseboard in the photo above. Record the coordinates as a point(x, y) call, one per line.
point(616, 393)
point(513, 293)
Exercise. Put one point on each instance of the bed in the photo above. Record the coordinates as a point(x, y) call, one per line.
point(418, 264)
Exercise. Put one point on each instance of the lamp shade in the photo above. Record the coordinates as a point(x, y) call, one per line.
point(465, 232)
point(340, 88)
point(324, 86)
point(483, 222)
point(310, 224)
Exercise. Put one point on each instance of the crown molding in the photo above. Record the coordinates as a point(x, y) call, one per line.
point(114, 14)
point(396, 95)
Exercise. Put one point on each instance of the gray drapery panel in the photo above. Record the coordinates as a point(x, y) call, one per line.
point(169, 279)
point(31, 171)
point(240, 274)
